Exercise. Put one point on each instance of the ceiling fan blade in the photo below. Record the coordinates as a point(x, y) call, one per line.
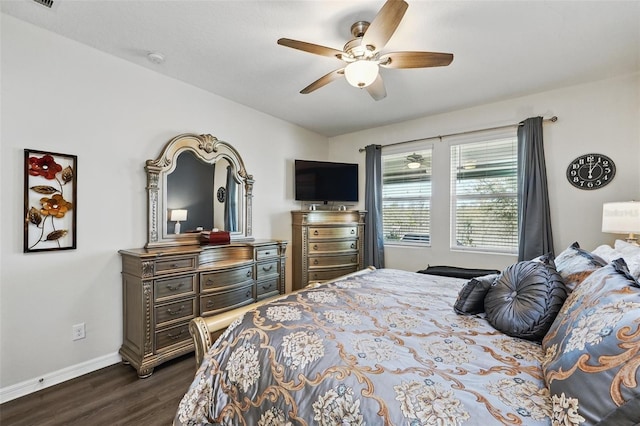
point(384, 24)
point(415, 59)
point(323, 81)
point(311, 48)
point(377, 89)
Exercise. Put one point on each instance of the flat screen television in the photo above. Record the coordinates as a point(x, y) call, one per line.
point(325, 181)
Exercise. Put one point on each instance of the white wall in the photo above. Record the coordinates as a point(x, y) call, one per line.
point(601, 117)
point(61, 96)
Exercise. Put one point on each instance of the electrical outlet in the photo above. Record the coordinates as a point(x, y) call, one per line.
point(77, 331)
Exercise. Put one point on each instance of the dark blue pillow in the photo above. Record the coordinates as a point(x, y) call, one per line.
point(471, 297)
point(524, 301)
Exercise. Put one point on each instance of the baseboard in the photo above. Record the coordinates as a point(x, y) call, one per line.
point(56, 377)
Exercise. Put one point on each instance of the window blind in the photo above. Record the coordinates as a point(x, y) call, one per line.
point(484, 195)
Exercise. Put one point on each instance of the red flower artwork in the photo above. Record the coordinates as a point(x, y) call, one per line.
point(45, 166)
point(47, 225)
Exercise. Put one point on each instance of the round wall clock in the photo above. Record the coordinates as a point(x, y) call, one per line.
point(222, 192)
point(591, 171)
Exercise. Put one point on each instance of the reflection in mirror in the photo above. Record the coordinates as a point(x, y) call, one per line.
point(198, 182)
point(190, 187)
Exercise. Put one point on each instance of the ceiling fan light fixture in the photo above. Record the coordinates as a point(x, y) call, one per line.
point(361, 73)
point(414, 165)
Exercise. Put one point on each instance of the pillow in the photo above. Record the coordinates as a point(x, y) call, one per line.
point(457, 272)
point(525, 298)
point(471, 297)
point(575, 264)
point(607, 253)
point(592, 356)
point(631, 254)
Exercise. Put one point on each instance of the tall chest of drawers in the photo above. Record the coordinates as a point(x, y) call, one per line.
point(326, 244)
point(163, 289)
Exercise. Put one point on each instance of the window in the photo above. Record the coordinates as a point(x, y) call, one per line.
point(406, 197)
point(484, 199)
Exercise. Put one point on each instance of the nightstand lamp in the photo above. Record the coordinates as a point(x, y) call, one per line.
point(178, 216)
point(622, 218)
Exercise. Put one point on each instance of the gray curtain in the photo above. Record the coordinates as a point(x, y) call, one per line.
point(373, 236)
point(534, 219)
point(230, 204)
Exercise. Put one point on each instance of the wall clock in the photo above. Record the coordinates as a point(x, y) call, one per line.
point(591, 171)
point(222, 192)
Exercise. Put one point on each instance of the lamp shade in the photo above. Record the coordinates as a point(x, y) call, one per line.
point(178, 215)
point(361, 73)
point(621, 218)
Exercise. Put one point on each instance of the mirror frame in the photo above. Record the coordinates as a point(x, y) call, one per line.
point(208, 149)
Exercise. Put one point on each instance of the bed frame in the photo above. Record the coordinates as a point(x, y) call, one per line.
point(205, 330)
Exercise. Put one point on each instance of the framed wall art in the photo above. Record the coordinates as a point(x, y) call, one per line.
point(50, 208)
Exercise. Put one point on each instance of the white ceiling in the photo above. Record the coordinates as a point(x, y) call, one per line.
point(503, 49)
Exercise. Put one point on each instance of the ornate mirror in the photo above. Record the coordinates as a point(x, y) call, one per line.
point(197, 183)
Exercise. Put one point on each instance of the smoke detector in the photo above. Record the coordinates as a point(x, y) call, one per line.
point(155, 58)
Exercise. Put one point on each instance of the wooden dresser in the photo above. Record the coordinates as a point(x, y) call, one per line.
point(164, 288)
point(326, 244)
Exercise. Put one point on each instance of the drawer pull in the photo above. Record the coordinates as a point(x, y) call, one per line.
point(174, 287)
point(249, 273)
point(247, 294)
point(315, 247)
point(315, 232)
point(208, 282)
point(315, 261)
point(353, 260)
point(174, 266)
point(176, 336)
point(267, 253)
point(266, 287)
point(210, 304)
point(265, 269)
point(176, 312)
point(353, 231)
point(353, 245)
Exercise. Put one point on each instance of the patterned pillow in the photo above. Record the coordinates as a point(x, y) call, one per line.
point(592, 351)
point(524, 300)
point(471, 297)
point(575, 264)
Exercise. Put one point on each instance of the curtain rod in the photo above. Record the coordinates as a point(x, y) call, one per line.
point(552, 120)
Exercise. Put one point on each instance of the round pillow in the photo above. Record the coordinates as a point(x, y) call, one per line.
point(524, 301)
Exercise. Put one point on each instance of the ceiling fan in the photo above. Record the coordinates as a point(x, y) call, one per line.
point(362, 54)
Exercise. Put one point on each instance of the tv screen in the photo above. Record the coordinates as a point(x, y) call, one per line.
point(326, 181)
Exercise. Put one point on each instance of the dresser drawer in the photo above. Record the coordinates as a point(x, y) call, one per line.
point(330, 273)
point(225, 300)
point(221, 279)
point(176, 264)
point(266, 252)
point(264, 270)
point(267, 288)
point(170, 288)
point(332, 246)
point(334, 260)
point(172, 336)
point(332, 232)
point(176, 311)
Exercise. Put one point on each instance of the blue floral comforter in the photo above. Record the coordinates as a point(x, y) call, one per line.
point(379, 348)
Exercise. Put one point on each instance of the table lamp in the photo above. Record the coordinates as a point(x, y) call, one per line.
point(622, 218)
point(178, 216)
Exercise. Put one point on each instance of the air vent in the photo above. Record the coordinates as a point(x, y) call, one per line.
point(47, 3)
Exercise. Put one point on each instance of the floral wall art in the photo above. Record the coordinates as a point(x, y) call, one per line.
point(49, 201)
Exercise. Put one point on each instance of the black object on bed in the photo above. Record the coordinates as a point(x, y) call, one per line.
point(457, 272)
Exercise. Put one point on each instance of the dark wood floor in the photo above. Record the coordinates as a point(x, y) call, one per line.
point(111, 396)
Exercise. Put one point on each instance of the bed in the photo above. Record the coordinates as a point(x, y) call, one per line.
point(387, 347)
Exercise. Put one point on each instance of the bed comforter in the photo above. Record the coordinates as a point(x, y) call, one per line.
point(383, 347)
